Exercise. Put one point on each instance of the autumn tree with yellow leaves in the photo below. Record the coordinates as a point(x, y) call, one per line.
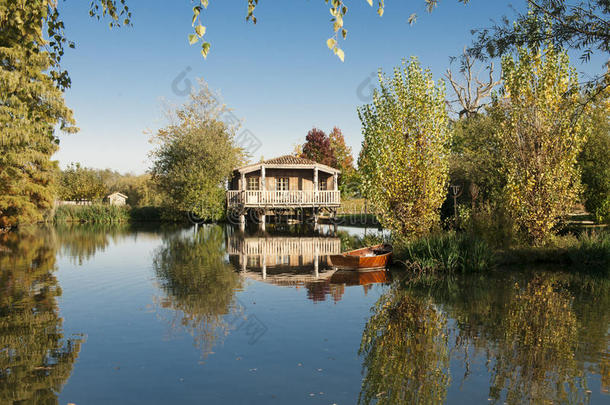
point(405, 155)
point(541, 135)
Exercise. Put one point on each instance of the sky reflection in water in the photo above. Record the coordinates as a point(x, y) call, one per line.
point(118, 314)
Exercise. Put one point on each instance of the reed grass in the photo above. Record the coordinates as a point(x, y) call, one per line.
point(96, 213)
point(448, 252)
point(106, 214)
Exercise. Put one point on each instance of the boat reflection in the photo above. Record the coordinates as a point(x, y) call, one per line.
point(297, 261)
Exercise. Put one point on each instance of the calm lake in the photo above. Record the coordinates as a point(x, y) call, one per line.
point(155, 315)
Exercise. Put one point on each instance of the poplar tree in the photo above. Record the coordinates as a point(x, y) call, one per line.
point(405, 161)
point(541, 135)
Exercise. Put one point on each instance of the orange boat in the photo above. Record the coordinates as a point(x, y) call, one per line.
point(373, 257)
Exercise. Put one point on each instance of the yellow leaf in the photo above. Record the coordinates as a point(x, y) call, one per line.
point(200, 29)
point(341, 55)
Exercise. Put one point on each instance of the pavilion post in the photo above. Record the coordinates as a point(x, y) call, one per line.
point(263, 185)
point(315, 185)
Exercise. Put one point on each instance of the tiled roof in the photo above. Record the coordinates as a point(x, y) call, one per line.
point(289, 160)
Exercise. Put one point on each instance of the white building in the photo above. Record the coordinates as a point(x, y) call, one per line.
point(117, 198)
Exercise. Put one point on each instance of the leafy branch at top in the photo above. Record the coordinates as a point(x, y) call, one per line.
point(582, 25)
point(119, 12)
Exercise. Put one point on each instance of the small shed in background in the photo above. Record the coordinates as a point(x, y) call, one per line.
point(117, 198)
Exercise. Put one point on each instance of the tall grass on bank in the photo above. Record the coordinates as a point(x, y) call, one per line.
point(449, 252)
point(106, 214)
point(96, 213)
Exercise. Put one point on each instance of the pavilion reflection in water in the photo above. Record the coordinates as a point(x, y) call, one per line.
point(297, 261)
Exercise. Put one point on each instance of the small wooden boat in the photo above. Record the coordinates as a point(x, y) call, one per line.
point(373, 257)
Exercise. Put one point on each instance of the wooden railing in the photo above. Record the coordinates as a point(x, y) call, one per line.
point(259, 198)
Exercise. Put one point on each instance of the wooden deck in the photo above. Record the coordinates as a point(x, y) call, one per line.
point(283, 199)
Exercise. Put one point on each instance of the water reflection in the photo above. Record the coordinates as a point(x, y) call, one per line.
point(81, 242)
point(405, 350)
point(199, 284)
point(35, 360)
point(297, 258)
point(535, 358)
point(510, 336)
point(543, 337)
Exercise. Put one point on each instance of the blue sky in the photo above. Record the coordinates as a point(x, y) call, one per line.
point(277, 76)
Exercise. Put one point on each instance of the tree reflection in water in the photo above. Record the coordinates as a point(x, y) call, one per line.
point(406, 353)
point(534, 363)
point(35, 360)
point(541, 334)
point(199, 284)
point(81, 242)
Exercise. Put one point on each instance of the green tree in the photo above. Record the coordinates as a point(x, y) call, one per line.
point(194, 157)
point(405, 166)
point(593, 162)
point(541, 138)
point(31, 107)
point(77, 183)
point(475, 156)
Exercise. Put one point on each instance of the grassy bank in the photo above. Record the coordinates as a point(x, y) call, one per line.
point(454, 252)
point(102, 213)
point(588, 252)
